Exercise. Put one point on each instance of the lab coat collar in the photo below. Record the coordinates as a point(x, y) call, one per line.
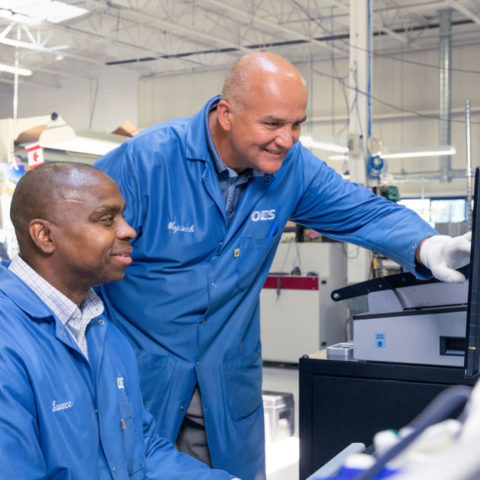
point(28, 301)
point(22, 295)
point(196, 146)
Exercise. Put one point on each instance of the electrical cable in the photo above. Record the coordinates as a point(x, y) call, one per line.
point(391, 105)
point(402, 60)
point(348, 45)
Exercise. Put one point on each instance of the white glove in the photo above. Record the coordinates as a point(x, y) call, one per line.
point(443, 255)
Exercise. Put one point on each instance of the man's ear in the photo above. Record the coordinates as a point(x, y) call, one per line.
point(41, 234)
point(224, 115)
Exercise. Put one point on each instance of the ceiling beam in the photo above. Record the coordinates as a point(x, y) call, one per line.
point(463, 10)
point(238, 13)
point(175, 27)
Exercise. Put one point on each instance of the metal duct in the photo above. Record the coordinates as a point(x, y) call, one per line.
point(445, 44)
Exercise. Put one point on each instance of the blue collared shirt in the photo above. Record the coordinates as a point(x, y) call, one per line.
point(232, 184)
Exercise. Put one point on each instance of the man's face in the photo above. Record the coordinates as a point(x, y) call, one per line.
point(264, 130)
point(92, 237)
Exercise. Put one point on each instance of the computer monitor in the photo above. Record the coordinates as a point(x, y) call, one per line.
point(472, 347)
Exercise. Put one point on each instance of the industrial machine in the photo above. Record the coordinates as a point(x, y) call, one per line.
point(409, 320)
point(296, 312)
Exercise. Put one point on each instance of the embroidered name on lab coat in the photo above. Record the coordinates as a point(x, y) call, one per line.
point(174, 227)
point(56, 407)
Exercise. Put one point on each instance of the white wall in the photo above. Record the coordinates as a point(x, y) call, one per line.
point(411, 119)
point(175, 96)
point(80, 101)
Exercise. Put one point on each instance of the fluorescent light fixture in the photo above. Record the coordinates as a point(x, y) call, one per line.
point(79, 140)
point(12, 69)
point(308, 141)
point(43, 10)
point(421, 152)
point(17, 17)
point(338, 157)
point(439, 151)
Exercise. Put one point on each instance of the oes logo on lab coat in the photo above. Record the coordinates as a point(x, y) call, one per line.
point(262, 215)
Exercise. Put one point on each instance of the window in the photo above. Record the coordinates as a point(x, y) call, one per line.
point(438, 210)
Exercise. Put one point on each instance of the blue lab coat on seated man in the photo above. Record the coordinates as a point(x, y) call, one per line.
point(190, 300)
point(63, 417)
point(70, 400)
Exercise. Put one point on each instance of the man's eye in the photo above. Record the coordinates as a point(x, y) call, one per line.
point(272, 124)
point(107, 219)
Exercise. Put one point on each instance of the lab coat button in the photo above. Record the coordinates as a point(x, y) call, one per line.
point(182, 408)
point(214, 284)
point(114, 469)
point(267, 178)
point(197, 363)
point(101, 322)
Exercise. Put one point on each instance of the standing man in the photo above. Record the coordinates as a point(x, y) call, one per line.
point(209, 196)
point(70, 401)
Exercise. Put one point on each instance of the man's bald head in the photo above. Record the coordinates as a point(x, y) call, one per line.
point(257, 121)
point(250, 74)
point(44, 192)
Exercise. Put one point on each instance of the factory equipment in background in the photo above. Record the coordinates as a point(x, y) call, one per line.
point(428, 316)
point(296, 312)
point(57, 139)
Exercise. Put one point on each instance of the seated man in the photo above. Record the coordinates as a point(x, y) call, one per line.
point(70, 402)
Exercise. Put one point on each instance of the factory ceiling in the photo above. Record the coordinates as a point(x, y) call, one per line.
point(158, 37)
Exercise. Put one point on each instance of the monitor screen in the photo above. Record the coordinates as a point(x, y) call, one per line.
point(472, 351)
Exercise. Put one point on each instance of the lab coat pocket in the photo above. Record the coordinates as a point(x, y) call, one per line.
point(252, 256)
point(243, 382)
point(156, 373)
point(131, 436)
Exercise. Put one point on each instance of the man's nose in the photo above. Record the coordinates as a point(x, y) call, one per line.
point(285, 137)
point(125, 231)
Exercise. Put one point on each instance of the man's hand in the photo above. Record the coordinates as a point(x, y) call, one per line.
point(443, 255)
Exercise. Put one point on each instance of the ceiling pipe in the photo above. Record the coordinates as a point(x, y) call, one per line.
point(468, 148)
point(445, 44)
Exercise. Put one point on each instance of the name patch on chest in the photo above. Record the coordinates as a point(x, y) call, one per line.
point(56, 407)
point(175, 227)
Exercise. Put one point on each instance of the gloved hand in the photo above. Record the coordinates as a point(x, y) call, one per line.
point(443, 255)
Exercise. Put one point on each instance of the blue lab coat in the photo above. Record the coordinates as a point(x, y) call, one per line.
point(65, 418)
point(189, 301)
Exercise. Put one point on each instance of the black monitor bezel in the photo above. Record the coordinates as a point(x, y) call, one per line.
point(472, 338)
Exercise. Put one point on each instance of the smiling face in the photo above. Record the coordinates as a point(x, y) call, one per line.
point(92, 239)
point(261, 117)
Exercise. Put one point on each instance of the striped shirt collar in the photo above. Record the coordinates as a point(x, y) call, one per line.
point(74, 318)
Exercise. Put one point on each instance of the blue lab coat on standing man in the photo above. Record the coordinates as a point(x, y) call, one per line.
point(190, 300)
